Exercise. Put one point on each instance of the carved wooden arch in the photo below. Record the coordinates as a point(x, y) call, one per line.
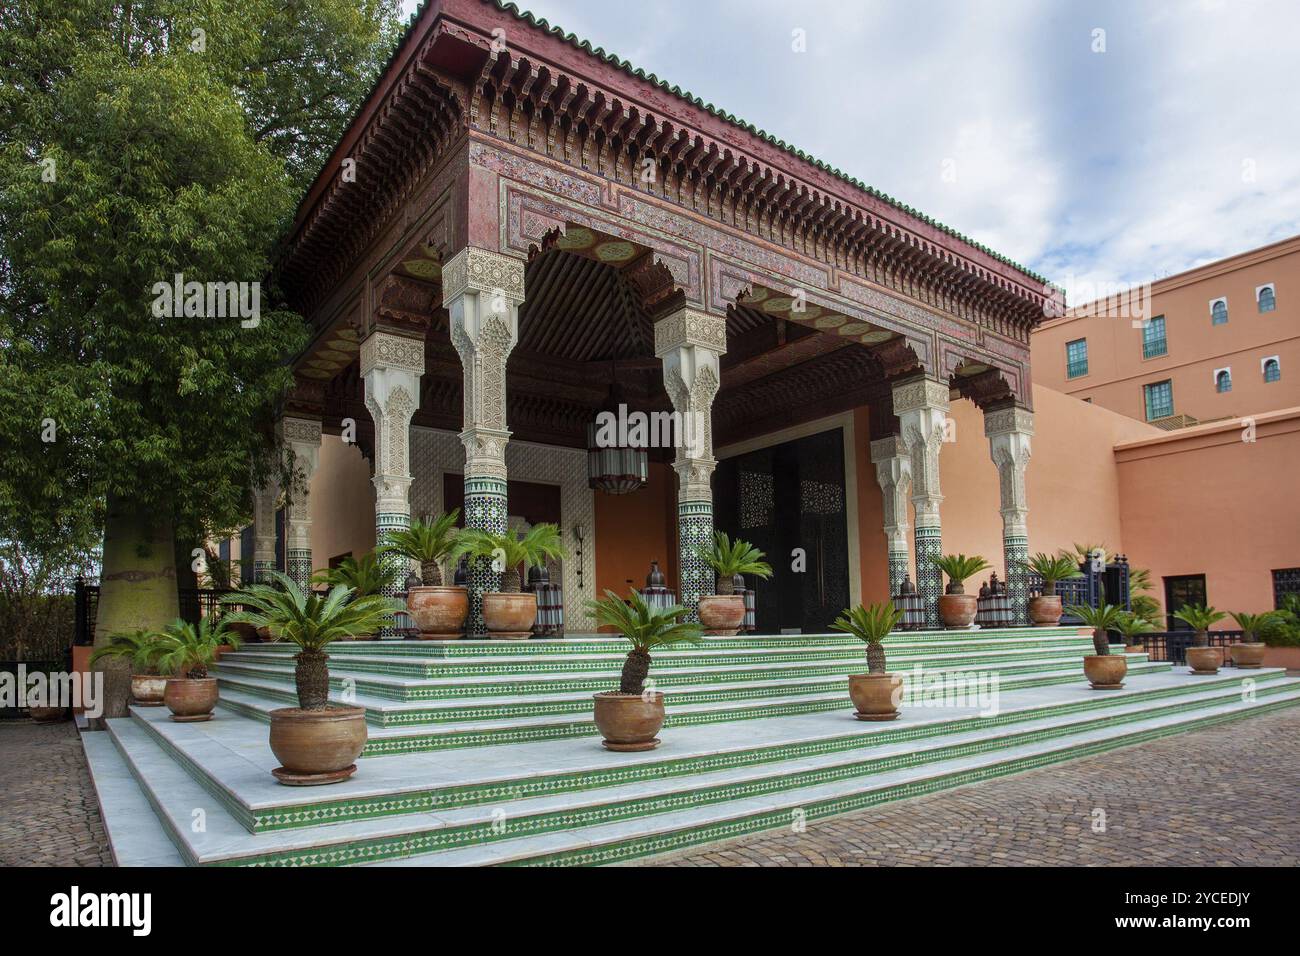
point(988, 386)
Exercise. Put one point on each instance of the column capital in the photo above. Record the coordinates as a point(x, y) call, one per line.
point(481, 270)
point(1011, 419)
point(388, 350)
point(920, 394)
point(887, 448)
point(690, 327)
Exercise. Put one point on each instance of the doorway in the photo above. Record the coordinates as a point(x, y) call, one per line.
point(1181, 591)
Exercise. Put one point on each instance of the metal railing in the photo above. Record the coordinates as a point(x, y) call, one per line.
point(195, 604)
point(1172, 646)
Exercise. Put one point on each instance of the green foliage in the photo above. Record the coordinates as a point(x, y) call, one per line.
point(508, 551)
point(1052, 568)
point(728, 558)
point(1084, 552)
point(958, 567)
point(1147, 608)
point(1108, 617)
point(1279, 629)
point(1132, 625)
point(139, 647)
point(306, 619)
point(363, 576)
point(645, 628)
point(182, 648)
point(1199, 617)
point(871, 624)
point(425, 542)
point(1249, 623)
point(37, 615)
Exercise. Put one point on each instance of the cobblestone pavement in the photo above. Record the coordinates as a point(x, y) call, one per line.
point(1224, 796)
point(48, 812)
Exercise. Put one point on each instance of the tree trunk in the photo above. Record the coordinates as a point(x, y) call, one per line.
point(312, 678)
point(510, 581)
point(726, 584)
point(137, 588)
point(430, 574)
point(1049, 589)
point(876, 658)
point(1100, 642)
point(1201, 639)
point(635, 670)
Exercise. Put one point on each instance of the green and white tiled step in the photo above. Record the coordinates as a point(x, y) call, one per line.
point(605, 643)
point(387, 741)
point(134, 835)
point(561, 681)
point(1000, 650)
point(611, 823)
point(381, 712)
point(401, 785)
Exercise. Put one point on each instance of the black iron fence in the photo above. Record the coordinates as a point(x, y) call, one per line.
point(195, 604)
point(1172, 646)
point(1109, 585)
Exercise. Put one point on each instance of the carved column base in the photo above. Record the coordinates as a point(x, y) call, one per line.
point(898, 559)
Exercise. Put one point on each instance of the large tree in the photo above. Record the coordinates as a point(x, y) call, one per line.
point(140, 142)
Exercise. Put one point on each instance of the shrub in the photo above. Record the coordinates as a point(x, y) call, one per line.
point(1279, 629)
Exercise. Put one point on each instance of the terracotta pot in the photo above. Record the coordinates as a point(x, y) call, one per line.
point(190, 699)
point(1045, 610)
point(629, 722)
point(47, 715)
point(265, 634)
point(317, 746)
point(876, 696)
point(1105, 671)
point(1248, 655)
point(509, 616)
point(148, 689)
point(722, 614)
point(1204, 660)
point(439, 612)
point(957, 610)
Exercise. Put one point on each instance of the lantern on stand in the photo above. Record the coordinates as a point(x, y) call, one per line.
point(998, 611)
point(550, 603)
point(616, 464)
point(747, 624)
point(911, 604)
point(656, 592)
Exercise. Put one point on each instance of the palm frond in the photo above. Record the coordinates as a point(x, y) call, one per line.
point(958, 567)
point(871, 624)
point(644, 627)
point(728, 558)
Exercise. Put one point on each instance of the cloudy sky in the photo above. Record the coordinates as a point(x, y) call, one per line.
point(1091, 141)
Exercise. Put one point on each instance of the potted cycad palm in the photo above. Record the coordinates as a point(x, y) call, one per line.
point(139, 648)
point(957, 608)
point(439, 611)
point(630, 719)
point(315, 742)
point(1250, 652)
point(510, 613)
point(1131, 627)
point(1045, 609)
point(876, 694)
point(365, 576)
point(1201, 657)
point(722, 613)
point(1105, 671)
point(185, 651)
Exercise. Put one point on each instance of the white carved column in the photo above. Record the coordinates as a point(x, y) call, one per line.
point(265, 500)
point(300, 439)
point(921, 406)
point(690, 343)
point(482, 291)
point(391, 366)
point(894, 474)
point(1009, 431)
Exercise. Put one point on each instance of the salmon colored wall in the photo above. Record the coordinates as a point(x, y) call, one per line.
point(342, 503)
point(1196, 347)
point(871, 535)
point(1072, 485)
point(631, 530)
point(1202, 501)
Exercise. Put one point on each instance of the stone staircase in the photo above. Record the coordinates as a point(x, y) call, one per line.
point(485, 752)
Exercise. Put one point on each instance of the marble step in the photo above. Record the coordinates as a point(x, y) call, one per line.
point(408, 688)
point(606, 643)
point(231, 759)
point(134, 835)
point(382, 712)
point(388, 741)
point(607, 824)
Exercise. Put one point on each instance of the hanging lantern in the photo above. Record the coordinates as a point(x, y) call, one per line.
point(614, 465)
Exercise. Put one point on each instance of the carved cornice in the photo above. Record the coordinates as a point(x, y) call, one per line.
point(1008, 420)
point(920, 393)
point(480, 270)
point(406, 302)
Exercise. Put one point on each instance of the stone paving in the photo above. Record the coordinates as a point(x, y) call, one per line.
point(1218, 797)
point(1224, 796)
point(48, 812)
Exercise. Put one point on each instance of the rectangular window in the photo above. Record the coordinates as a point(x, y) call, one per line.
point(1160, 399)
point(1181, 591)
point(1076, 358)
point(1153, 338)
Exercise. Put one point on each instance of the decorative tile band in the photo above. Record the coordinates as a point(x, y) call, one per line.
point(385, 524)
point(486, 509)
point(694, 532)
point(929, 579)
point(1015, 549)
